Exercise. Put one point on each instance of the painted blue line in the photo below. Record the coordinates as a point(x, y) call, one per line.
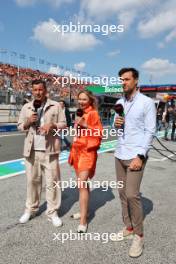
point(17, 167)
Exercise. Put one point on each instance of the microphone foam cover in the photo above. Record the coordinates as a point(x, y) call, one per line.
point(79, 112)
point(119, 109)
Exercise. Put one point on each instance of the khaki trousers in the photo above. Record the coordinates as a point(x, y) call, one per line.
point(132, 211)
point(39, 164)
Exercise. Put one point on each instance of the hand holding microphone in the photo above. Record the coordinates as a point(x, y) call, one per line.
point(34, 119)
point(80, 121)
point(79, 114)
point(37, 105)
point(120, 120)
point(31, 121)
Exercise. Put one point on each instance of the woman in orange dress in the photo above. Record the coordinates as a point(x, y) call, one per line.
point(83, 155)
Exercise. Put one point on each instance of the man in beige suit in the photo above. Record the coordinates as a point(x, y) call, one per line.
point(39, 118)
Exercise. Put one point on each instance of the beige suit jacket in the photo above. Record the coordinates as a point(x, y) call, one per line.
point(53, 113)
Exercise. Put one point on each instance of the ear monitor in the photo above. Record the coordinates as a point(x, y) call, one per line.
point(79, 112)
point(119, 109)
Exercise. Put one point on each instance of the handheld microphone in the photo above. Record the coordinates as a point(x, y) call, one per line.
point(79, 112)
point(37, 105)
point(119, 109)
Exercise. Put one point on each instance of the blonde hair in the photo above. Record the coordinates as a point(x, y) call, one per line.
point(92, 98)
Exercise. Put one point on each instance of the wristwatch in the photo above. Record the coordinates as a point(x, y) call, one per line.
point(142, 157)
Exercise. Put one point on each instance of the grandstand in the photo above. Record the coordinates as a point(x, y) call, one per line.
point(17, 81)
point(15, 86)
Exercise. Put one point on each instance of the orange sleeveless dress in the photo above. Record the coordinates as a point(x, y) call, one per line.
point(83, 154)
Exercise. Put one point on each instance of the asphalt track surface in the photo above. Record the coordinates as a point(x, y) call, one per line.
point(36, 241)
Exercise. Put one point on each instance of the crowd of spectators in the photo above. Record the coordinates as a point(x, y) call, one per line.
point(19, 81)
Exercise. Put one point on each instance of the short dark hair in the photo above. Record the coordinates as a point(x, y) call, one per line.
point(135, 73)
point(39, 81)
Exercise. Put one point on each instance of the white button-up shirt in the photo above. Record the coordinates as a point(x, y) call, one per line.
point(139, 127)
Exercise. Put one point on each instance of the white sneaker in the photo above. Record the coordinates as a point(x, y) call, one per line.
point(124, 234)
point(82, 228)
point(136, 247)
point(56, 221)
point(25, 218)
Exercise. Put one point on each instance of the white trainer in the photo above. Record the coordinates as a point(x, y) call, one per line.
point(56, 221)
point(25, 218)
point(82, 228)
point(136, 247)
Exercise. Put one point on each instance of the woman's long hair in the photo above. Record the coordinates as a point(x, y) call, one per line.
point(92, 98)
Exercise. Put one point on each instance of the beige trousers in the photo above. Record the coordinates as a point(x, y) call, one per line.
point(37, 165)
point(132, 211)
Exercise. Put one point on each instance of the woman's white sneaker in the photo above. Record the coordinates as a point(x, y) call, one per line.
point(82, 228)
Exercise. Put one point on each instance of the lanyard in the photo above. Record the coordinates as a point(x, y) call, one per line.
point(127, 112)
point(40, 114)
point(125, 105)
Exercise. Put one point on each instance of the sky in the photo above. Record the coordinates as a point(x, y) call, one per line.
point(145, 36)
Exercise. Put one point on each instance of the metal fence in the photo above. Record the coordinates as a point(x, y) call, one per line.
point(11, 97)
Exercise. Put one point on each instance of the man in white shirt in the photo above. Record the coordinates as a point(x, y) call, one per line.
point(139, 124)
